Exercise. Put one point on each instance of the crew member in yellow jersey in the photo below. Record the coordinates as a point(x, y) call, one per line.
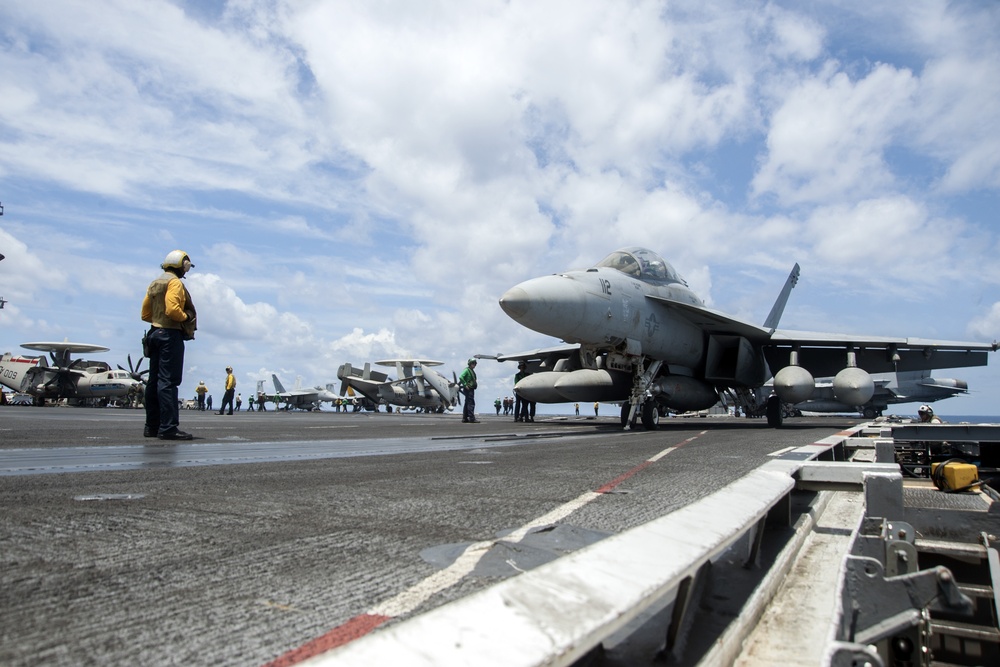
point(167, 306)
point(230, 391)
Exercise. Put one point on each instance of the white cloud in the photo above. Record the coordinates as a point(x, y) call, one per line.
point(826, 140)
point(358, 180)
point(987, 327)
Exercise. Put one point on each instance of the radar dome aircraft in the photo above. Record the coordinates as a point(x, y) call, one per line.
point(418, 386)
point(76, 381)
point(636, 333)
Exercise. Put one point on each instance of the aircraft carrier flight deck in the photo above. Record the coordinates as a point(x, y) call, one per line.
point(274, 536)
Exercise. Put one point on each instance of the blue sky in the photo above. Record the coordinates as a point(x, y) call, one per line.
point(357, 181)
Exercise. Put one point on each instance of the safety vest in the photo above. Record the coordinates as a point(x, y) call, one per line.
point(157, 292)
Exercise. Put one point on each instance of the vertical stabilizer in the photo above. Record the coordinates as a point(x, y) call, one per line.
point(778, 308)
point(277, 384)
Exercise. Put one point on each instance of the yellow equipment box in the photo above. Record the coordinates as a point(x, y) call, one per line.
point(955, 476)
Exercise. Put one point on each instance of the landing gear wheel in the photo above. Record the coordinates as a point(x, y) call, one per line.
point(773, 411)
point(626, 406)
point(870, 413)
point(650, 415)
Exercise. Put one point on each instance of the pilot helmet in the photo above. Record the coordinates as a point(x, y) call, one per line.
point(925, 410)
point(175, 260)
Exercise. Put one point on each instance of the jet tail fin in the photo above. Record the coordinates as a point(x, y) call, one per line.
point(277, 384)
point(779, 305)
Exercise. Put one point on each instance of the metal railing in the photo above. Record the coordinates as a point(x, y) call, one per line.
point(561, 611)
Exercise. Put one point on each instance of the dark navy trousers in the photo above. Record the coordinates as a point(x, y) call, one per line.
point(166, 370)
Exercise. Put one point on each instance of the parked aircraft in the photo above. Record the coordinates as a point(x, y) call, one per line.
point(636, 333)
point(418, 386)
point(74, 380)
point(303, 399)
point(890, 389)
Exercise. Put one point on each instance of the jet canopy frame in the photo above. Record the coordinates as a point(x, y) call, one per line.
point(642, 264)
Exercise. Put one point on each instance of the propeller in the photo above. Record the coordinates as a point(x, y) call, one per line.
point(61, 378)
point(134, 371)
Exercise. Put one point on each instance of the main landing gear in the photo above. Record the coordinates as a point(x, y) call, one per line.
point(648, 414)
point(641, 403)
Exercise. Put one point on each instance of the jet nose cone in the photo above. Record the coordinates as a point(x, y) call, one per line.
point(515, 302)
point(553, 305)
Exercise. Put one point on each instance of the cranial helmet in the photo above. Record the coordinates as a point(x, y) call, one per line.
point(175, 260)
point(925, 410)
point(472, 361)
point(229, 369)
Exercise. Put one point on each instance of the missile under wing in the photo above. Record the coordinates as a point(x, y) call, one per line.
point(636, 333)
point(890, 389)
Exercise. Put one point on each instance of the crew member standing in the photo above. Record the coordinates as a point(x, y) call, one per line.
point(520, 404)
point(167, 306)
point(201, 390)
point(227, 398)
point(467, 383)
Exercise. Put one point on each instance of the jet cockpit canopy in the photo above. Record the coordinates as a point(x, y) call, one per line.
point(642, 264)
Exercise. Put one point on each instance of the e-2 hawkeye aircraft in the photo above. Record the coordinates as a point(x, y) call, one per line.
point(636, 333)
point(418, 386)
point(76, 381)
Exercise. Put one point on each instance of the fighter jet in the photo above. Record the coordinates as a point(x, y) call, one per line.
point(77, 381)
point(418, 387)
point(303, 399)
point(890, 389)
point(636, 333)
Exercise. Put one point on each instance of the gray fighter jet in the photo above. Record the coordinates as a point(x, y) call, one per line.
point(302, 399)
point(636, 333)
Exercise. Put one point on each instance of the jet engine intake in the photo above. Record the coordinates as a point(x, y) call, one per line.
point(853, 386)
point(682, 393)
point(794, 384)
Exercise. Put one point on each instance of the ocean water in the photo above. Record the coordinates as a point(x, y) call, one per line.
point(970, 419)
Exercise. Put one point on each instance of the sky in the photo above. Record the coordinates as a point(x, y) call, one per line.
point(362, 180)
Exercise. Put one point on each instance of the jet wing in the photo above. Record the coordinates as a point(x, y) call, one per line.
point(541, 354)
point(300, 394)
point(824, 354)
point(714, 322)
